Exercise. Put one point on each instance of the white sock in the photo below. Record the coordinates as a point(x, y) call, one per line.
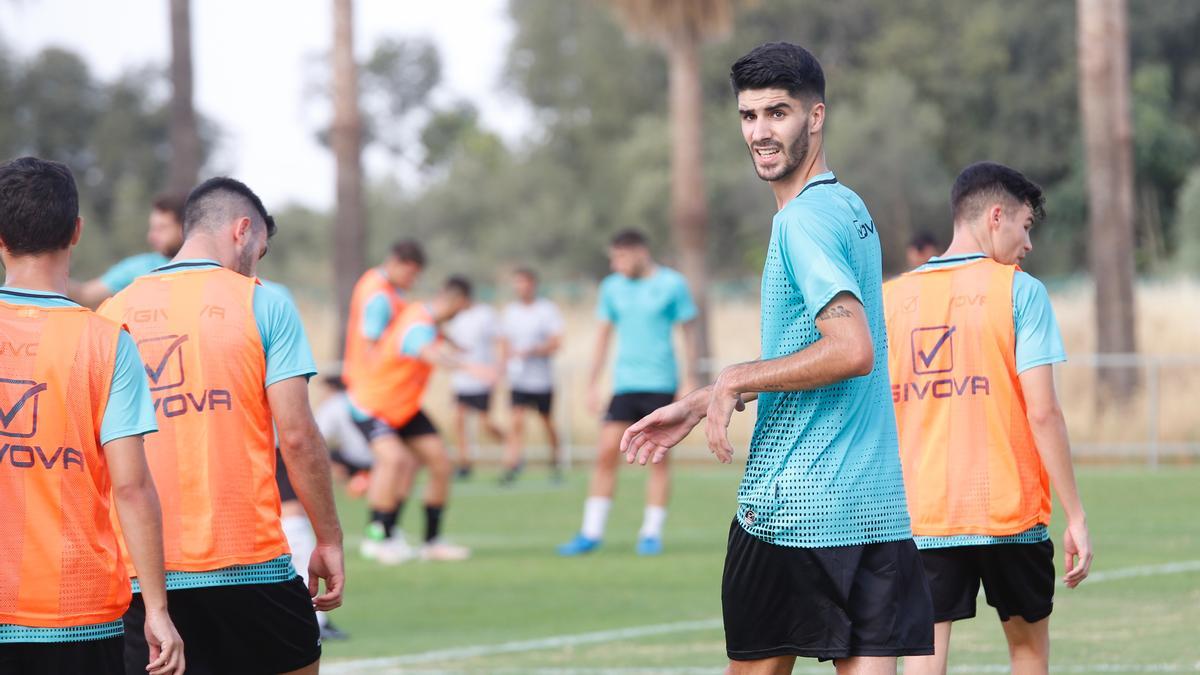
point(652, 522)
point(595, 515)
point(322, 619)
point(302, 542)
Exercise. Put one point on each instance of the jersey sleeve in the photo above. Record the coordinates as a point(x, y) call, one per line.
point(417, 338)
point(683, 308)
point(285, 343)
point(376, 316)
point(816, 256)
point(1038, 339)
point(130, 409)
point(605, 310)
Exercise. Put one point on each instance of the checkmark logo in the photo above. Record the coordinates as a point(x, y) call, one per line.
point(158, 355)
point(933, 350)
point(15, 396)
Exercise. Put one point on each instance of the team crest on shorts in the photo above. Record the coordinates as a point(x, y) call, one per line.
point(749, 516)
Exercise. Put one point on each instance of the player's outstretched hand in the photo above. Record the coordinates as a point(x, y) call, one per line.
point(651, 437)
point(1077, 548)
point(166, 647)
point(327, 563)
point(721, 406)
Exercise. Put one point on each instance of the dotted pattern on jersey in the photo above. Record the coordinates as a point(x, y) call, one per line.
point(270, 572)
point(1034, 535)
point(100, 631)
point(824, 465)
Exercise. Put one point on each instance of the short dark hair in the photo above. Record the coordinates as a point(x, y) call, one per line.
point(39, 206)
point(923, 239)
point(409, 251)
point(458, 284)
point(219, 200)
point(527, 272)
point(983, 182)
point(629, 239)
point(779, 65)
point(171, 202)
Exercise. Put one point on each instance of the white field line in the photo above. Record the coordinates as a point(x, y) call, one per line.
point(390, 663)
point(798, 670)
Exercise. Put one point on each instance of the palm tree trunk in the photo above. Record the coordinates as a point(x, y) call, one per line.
point(349, 228)
point(689, 207)
point(1104, 101)
point(184, 167)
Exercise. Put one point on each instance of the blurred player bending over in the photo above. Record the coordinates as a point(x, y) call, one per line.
point(643, 301)
point(820, 561)
point(378, 298)
point(165, 236)
point(227, 357)
point(474, 331)
point(531, 332)
point(385, 401)
point(982, 437)
point(72, 381)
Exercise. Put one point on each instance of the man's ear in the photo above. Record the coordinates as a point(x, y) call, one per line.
point(78, 230)
point(816, 117)
point(241, 229)
point(995, 216)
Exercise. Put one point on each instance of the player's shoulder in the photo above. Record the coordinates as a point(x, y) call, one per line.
point(1028, 289)
point(820, 208)
point(670, 275)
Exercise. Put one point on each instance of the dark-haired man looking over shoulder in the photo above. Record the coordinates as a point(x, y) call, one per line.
point(821, 561)
point(226, 357)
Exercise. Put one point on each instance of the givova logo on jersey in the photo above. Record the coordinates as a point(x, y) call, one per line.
point(163, 358)
point(19, 400)
point(932, 351)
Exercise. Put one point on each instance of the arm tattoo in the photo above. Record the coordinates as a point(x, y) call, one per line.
point(834, 312)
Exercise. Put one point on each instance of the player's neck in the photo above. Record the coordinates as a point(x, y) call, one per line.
point(45, 272)
point(814, 165)
point(200, 247)
point(964, 243)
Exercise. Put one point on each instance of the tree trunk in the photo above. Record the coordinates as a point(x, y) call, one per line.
point(1104, 101)
point(184, 168)
point(349, 228)
point(689, 206)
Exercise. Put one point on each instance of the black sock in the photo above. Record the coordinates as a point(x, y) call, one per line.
point(387, 519)
point(433, 522)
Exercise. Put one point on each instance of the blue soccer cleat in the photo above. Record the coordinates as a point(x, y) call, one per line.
point(580, 545)
point(649, 546)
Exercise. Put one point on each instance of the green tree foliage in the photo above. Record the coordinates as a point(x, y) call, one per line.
point(113, 135)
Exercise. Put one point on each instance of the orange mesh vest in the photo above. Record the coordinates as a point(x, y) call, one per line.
point(358, 347)
point(970, 462)
point(392, 388)
point(62, 564)
point(213, 459)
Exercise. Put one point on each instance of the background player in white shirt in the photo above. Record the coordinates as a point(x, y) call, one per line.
point(474, 331)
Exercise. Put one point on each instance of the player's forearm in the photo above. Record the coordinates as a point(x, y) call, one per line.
point(548, 347)
point(307, 460)
point(1050, 435)
point(823, 363)
point(141, 522)
point(598, 357)
point(691, 355)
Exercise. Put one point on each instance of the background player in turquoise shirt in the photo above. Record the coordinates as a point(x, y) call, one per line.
point(165, 236)
point(642, 301)
point(820, 561)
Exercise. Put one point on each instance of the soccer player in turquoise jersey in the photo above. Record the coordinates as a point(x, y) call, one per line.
point(820, 560)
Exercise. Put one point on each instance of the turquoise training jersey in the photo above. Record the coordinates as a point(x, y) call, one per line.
point(119, 276)
point(1038, 343)
point(824, 464)
point(644, 311)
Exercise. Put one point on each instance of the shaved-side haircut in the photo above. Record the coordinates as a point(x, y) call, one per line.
point(219, 201)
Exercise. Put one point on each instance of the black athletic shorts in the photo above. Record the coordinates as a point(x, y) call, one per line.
point(249, 629)
point(351, 465)
point(98, 657)
point(419, 425)
point(480, 402)
point(1018, 580)
point(827, 603)
point(636, 405)
point(539, 401)
point(286, 492)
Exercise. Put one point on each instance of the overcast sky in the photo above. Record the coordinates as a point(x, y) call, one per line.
point(250, 59)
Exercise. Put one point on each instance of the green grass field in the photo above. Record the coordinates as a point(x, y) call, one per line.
point(516, 607)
